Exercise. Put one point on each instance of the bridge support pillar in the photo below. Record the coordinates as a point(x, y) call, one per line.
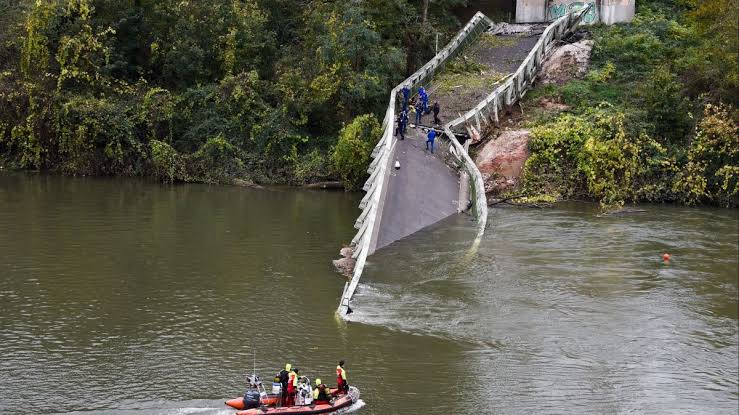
point(606, 11)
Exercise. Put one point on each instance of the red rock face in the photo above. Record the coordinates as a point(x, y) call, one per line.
point(501, 160)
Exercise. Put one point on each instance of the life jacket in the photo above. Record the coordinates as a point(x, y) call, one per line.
point(340, 375)
point(292, 381)
point(319, 393)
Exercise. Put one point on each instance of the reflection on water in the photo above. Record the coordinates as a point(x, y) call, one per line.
point(126, 297)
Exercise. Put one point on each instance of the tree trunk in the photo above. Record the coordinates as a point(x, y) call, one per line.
point(425, 13)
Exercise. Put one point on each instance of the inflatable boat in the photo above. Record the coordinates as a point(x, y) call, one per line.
point(338, 404)
point(270, 399)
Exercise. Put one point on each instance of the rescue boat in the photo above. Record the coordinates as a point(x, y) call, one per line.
point(337, 404)
point(270, 399)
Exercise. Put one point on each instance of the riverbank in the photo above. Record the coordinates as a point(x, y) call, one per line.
point(646, 122)
point(201, 92)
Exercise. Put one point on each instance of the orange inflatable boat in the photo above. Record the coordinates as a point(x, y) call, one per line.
point(337, 404)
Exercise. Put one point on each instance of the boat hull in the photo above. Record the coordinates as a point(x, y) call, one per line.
point(341, 402)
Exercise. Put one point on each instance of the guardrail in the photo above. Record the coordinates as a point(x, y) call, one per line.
point(365, 241)
point(508, 93)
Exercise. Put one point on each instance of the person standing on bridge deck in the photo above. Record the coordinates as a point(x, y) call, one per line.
point(430, 139)
point(400, 128)
point(404, 120)
point(419, 112)
point(341, 382)
point(437, 121)
point(424, 99)
point(406, 95)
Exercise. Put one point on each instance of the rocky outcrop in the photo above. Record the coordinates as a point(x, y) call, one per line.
point(566, 62)
point(501, 160)
point(345, 265)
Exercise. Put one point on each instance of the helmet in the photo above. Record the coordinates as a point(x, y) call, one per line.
point(288, 366)
point(296, 370)
point(318, 381)
point(341, 363)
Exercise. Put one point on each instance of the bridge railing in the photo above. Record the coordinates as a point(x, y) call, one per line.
point(365, 241)
point(506, 94)
point(515, 87)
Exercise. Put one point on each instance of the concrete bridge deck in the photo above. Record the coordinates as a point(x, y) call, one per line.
point(422, 192)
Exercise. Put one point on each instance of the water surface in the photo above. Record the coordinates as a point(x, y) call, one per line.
point(128, 297)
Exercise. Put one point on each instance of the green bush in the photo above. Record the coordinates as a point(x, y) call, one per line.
point(712, 170)
point(351, 155)
point(591, 156)
point(96, 136)
point(313, 166)
point(217, 161)
point(168, 165)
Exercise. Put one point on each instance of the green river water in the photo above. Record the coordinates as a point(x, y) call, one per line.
point(121, 296)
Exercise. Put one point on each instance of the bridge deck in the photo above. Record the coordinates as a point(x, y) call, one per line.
point(497, 56)
point(422, 192)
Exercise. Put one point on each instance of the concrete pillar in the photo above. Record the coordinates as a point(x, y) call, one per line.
point(531, 11)
point(617, 11)
point(607, 11)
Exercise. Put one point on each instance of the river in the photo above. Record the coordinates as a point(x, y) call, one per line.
point(121, 296)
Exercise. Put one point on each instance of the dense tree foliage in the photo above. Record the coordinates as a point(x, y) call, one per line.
point(655, 119)
point(190, 90)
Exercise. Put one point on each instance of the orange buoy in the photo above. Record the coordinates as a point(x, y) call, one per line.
point(666, 256)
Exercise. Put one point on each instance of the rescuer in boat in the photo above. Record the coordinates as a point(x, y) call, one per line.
point(292, 386)
point(341, 382)
point(321, 393)
point(283, 376)
point(252, 396)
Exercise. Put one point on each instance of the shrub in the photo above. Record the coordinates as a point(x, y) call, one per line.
point(590, 156)
point(350, 156)
point(218, 161)
point(712, 170)
point(312, 166)
point(168, 164)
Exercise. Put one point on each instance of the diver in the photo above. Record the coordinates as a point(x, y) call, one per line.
point(341, 382)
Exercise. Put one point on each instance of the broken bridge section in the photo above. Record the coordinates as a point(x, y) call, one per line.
point(423, 191)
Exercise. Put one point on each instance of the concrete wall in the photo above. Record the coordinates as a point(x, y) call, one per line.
point(531, 11)
point(617, 11)
point(607, 11)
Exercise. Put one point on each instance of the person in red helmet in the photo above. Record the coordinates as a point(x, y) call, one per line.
point(341, 382)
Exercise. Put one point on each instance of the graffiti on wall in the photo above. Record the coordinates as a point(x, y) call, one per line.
point(558, 8)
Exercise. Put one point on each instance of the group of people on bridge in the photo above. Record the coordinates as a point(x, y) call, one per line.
point(419, 107)
point(290, 380)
